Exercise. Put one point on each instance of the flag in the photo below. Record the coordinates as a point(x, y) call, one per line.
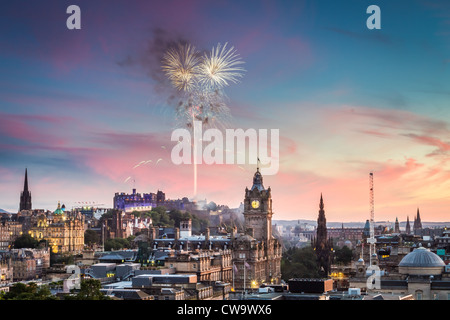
point(247, 265)
point(235, 268)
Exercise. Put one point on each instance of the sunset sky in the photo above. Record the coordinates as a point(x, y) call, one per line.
point(80, 108)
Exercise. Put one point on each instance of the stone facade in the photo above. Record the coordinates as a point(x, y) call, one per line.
point(63, 230)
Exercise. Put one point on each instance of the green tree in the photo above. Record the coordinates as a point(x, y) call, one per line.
point(160, 217)
point(118, 243)
point(25, 241)
point(343, 255)
point(299, 263)
point(89, 290)
point(91, 237)
point(31, 291)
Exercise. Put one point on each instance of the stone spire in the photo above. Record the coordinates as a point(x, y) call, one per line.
point(408, 226)
point(322, 244)
point(25, 196)
point(417, 224)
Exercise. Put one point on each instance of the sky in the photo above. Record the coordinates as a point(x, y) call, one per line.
point(81, 108)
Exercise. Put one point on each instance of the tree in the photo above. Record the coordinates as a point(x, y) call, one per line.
point(89, 290)
point(31, 291)
point(343, 255)
point(299, 263)
point(91, 237)
point(25, 241)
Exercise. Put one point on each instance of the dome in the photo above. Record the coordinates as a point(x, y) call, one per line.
point(421, 257)
point(421, 261)
point(58, 210)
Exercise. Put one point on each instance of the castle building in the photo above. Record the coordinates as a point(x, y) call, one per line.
point(25, 196)
point(134, 201)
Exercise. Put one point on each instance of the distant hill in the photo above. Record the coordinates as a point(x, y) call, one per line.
point(4, 211)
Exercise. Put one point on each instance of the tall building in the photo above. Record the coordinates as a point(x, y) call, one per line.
point(322, 245)
point(25, 195)
point(256, 252)
point(396, 226)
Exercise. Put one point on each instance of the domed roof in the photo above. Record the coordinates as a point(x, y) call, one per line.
point(58, 210)
point(423, 258)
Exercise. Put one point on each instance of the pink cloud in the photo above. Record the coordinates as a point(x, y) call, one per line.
point(31, 128)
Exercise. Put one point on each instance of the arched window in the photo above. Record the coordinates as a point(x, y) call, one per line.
point(419, 295)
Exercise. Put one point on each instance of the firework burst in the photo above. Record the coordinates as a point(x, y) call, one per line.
point(201, 79)
point(220, 67)
point(180, 65)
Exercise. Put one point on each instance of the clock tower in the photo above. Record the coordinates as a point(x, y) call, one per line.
point(258, 209)
point(256, 252)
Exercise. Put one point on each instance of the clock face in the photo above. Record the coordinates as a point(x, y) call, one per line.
point(255, 204)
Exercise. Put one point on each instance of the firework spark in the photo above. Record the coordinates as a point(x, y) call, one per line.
point(220, 67)
point(181, 66)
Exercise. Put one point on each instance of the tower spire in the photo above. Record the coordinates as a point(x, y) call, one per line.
point(321, 202)
point(322, 242)
point(25, 195)
point(25, 185)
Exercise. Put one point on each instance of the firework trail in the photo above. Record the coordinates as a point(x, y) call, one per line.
point(201, 79)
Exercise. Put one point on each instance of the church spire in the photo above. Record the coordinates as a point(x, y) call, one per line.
point(25, 185)
point(25, 195)
point(408, 226)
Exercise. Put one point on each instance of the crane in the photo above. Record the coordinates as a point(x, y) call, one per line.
point(371, 240)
